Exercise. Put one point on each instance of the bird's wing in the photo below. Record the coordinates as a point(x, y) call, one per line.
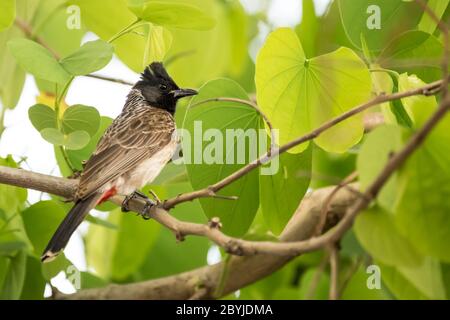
point(132, 138)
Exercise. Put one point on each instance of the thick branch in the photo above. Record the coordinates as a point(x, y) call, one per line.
point(242, 271)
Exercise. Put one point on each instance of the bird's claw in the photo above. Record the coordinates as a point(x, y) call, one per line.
point(128, 198)
point(147, 207)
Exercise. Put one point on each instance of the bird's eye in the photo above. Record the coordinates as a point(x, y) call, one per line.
point(163, 87)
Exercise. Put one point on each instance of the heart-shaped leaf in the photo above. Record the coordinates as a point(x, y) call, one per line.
point(90, 57)
point(37, 60)
point(42, 117)
point(53, 135)
point(300, 94)
point(76, 140)
point(80, 117)
point(73, 141)
point(223, 150)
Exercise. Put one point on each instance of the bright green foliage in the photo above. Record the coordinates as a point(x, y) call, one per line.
point(77, 125)
point(42, 117)
point(7, 13)
point(236, 215)
point(373, 156)
point(282, 192)
point(92, 56)
point(116, 254)
point(377, 232)
point(159, 40)
point(415, 52)
point(37, 60)
point(300, 94)
point(427, 23)
point(302, 78)
point(172, 14)
point(377, 21)
point(79, 117)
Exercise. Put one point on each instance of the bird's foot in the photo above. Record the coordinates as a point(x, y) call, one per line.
point(147, 206)
point(136, 194)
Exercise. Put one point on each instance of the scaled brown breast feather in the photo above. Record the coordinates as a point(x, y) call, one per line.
point(127, 142)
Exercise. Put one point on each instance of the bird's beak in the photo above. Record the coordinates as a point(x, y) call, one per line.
point(180, 93)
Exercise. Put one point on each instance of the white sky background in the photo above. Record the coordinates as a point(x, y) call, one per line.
point(21, 139)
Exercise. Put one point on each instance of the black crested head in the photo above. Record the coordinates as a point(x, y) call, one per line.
point(159, 89)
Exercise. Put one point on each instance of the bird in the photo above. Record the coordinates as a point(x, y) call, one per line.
point(131, 153)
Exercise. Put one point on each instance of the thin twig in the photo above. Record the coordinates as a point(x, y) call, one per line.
point(426, 90)
point(326, 206)
point(28, 31)
point(334, 272)
point(316, 277)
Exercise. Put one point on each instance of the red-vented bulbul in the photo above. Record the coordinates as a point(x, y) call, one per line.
point(131, 153)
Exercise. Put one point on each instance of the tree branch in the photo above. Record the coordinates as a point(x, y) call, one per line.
point(29, 33)
point(429, 89)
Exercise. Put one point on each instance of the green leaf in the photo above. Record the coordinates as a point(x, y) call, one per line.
point(427, 277)
point(53, 135)
point(356, 288)
point(223, 154)
point(90, 57)
point(37, 60)
point(73, 141)
point(378, 234)
point(7, 13)
point(78, 156)
point(14, 276)
point(299, 94)
point(399, 285)
point(427, 24)
point(310, 291)
point(213, 53)
point(307, 31)
point(173, 14)
point(116, 254)
point(42, 117)
point(129, 48)
point(373, 156)
point(415, 52)
point(10, 247)
point(89, 281)
point(41, 220)
point(170, 253)
point(159, 41)
point(12, 75)
point(281, 193)
point(53, 268)
point(330, 168)
point(34, 285)
point(422, 213)
point(377, 21)
point(80, 117)
point(76, 140)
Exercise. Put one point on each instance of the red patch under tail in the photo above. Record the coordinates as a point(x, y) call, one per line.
point(108, 194)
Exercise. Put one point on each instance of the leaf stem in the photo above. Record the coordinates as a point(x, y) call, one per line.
point(58, 121)
point(125, 30)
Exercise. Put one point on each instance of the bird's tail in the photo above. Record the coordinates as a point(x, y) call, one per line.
point(68, 226)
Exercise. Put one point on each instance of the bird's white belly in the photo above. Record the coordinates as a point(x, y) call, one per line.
point(147, 171)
